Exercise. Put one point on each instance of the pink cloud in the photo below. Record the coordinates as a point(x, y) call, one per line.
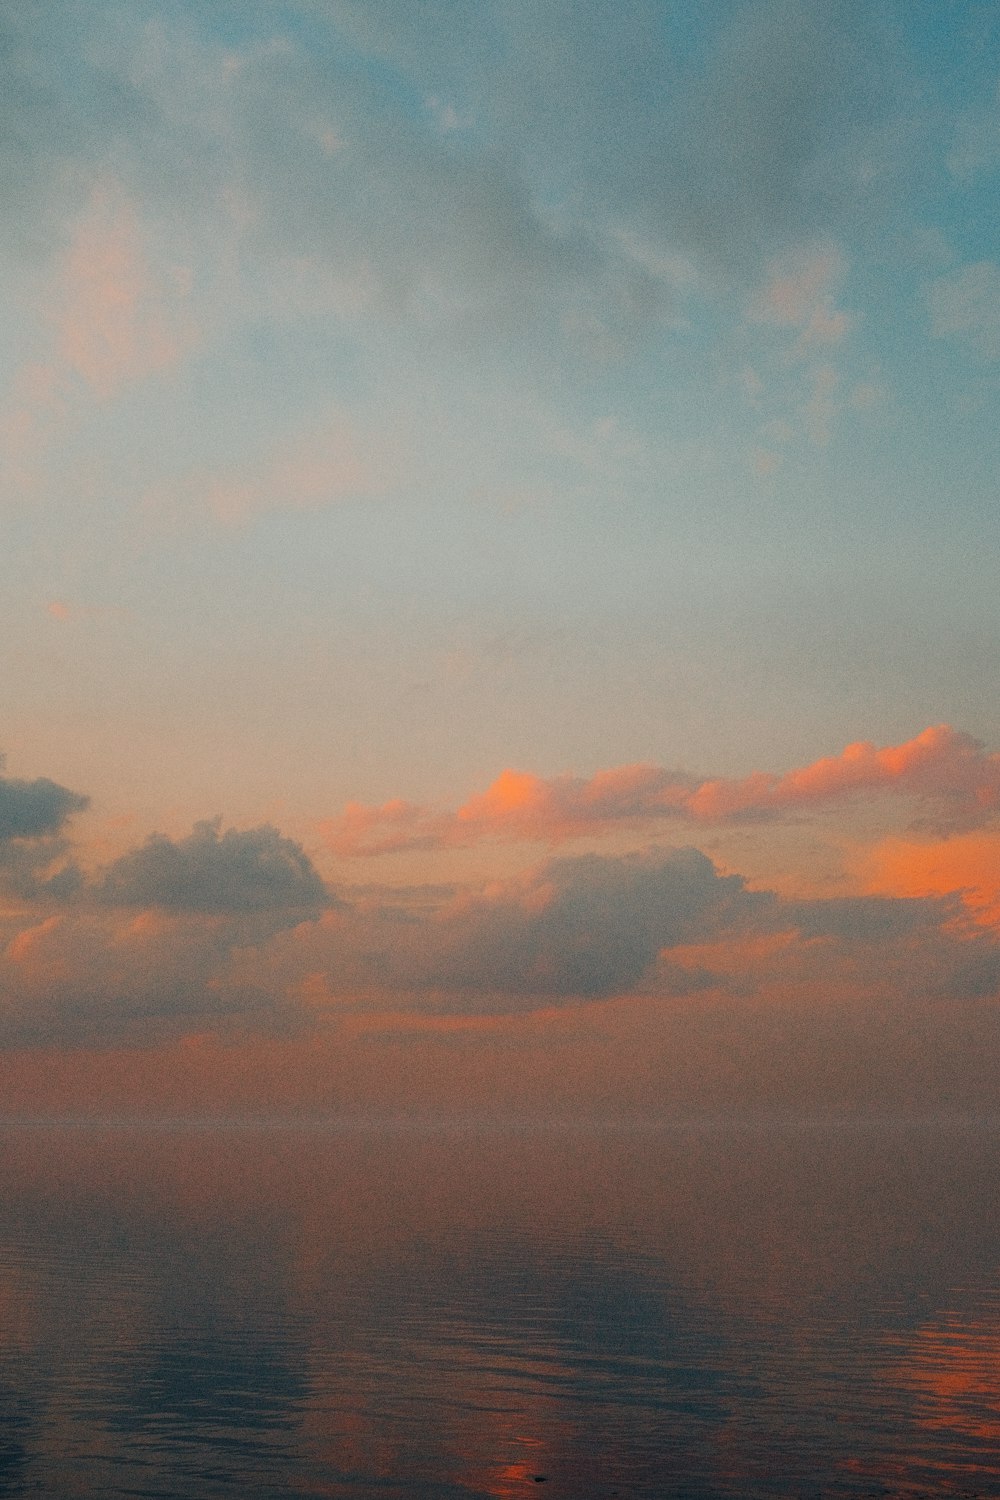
point(116, 316)
point(799, 294)
point(25, 946)
point(309, 471)
point(119, 317)
point(34, 406)
point(318, 465)
point(942, 766)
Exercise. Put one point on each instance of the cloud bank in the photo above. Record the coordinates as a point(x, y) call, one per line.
point(236, 931)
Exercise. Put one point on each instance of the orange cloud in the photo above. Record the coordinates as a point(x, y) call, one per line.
point(941, 766)
point(968, 864)
point(24, 947)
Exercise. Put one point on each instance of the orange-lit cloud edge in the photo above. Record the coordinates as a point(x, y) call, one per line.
point(231, 939)
point(949, 770)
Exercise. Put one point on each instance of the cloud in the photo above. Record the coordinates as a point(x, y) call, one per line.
point(146, 950)
point(235, 930)
point(437, 229)
point(584, 927)
point(251, 871)
point(976, 146)
point(586, 168)
point(779, 133)
point(328, 461)
point(115, 314)
point(869, 919)
point(965, 306)
point(567, 931)
point(652, 925)
point(119, 319)
point(35, 809)
point(949, 771)
point(799, 295)
point(65, 105)
point(763, 136)
point(968, 863)
point(590, 174)
point(571, 931)
point(91, 978)
point(33, 846)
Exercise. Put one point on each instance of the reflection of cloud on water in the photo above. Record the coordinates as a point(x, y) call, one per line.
point(643, 1312)
point(490, 1360)
point(14, 1425)
point(345, 1324)
point(945, 1374)
point(951, 1367)
point(136, 1349)
point(17, 1410)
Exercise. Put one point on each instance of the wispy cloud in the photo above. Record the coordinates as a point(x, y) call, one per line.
point(328, 461)
point(799, 294)
point(119, 319)
point(965, 306)
point(115, 315)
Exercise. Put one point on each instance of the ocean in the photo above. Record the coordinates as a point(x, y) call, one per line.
point(471, 1309)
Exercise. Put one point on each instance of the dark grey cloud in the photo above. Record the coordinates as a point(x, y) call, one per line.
point(594, 926)
point(247, 938)
point(33, 845)
point(567, 931)
point(39, 870)
point(589, 926)
point(972, 975)
point(74, 973)
point(579, 929)
point(35, 809)
point(445, 227)
point(235, 872)
point(869, 919)
point(85, 978)
point(778, 137)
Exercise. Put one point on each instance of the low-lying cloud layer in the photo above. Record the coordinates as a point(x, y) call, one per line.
point(237, 931)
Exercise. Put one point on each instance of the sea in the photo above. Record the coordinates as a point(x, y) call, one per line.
point(586, 1309)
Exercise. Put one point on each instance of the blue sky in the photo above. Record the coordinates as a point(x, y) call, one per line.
point(393, 395)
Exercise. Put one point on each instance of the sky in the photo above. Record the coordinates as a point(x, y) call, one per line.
point(498, 584)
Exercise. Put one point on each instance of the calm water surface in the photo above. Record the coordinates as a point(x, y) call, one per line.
point(359, 1311)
